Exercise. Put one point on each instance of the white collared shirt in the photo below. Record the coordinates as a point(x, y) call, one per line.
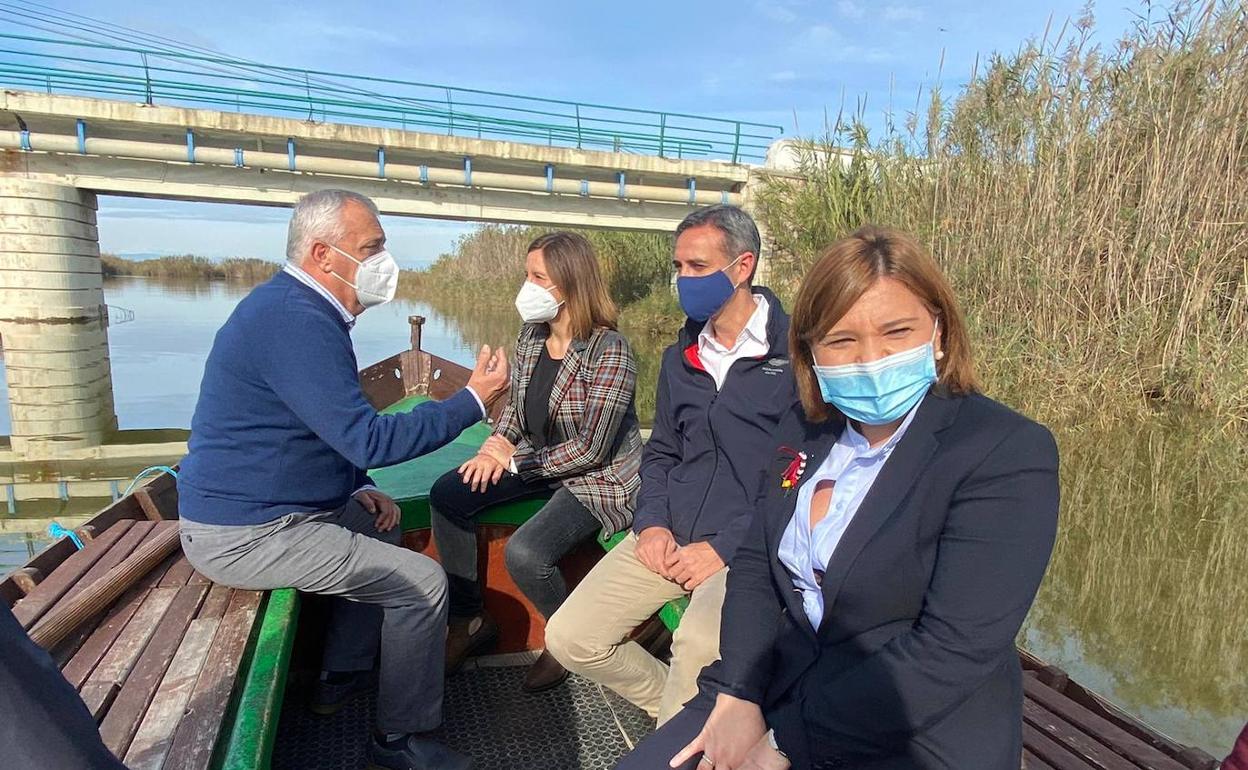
point(853, 465)
point(751, 343)
point(300, 275)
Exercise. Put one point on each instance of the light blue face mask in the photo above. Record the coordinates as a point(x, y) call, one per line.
point(879, 392)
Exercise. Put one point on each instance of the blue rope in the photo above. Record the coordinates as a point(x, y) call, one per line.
point(56, 530)
point(146, 472)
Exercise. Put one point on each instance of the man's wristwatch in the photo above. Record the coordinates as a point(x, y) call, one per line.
point(771, 741)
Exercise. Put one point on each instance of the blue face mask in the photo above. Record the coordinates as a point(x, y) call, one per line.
point(882, 391)
point(701, 296)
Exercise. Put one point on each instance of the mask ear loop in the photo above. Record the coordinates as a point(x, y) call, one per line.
point(726, 267)
point(940, 354)
point(558, 303)
point(348, 256)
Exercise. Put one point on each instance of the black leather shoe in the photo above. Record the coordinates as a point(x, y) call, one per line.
point(416, 753)
point(545, 673)
point(328, 697)
point(462, 641)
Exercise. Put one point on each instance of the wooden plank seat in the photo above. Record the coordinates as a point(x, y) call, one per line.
point(165, 667)
point(1069, 728)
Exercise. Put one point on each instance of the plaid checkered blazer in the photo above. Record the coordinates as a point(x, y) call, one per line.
point(593, 446)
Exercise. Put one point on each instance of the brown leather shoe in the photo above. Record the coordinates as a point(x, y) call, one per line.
point(544, 674)
point(467, 637)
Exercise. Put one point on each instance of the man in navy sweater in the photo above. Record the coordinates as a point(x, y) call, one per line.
point(274, 492)
point(722, 388)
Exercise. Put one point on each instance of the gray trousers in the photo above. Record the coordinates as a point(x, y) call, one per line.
point(396, 597)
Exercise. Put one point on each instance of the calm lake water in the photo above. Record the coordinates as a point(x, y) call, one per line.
point(1145, 601)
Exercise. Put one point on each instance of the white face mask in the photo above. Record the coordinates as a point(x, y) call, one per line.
point(375, 281)
point(536, 304)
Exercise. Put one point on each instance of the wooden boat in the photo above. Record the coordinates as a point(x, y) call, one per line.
point(185, 674)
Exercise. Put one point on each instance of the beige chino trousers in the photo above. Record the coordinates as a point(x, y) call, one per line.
point(587, 634)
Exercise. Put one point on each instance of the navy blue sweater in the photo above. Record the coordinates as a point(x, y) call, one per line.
point(282, 424)
point(708, 448)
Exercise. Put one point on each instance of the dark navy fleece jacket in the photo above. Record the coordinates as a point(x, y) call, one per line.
point(282, 424)
point(707, 451)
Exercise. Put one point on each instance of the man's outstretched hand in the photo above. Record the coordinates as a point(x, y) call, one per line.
point(491, 376)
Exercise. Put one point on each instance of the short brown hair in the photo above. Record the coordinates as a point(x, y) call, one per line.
point(573, 267)
point(844, 272)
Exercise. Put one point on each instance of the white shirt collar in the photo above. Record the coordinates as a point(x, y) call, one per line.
point(861, 447)
point(755, 328)
point(300, 275)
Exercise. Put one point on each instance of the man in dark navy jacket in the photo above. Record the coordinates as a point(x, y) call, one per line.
point(274, 491)
point(721, 390)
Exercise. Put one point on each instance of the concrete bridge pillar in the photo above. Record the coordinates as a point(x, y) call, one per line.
point(53, 320)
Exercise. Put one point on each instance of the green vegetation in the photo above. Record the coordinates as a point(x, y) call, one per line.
point(492, 259)
point(190, 267)
point(1087, 203)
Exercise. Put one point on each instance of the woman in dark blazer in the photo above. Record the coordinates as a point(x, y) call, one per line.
point(568, 432)
point(902, 531)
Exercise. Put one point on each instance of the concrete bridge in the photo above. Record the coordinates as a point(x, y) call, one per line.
point(179, 153)
point(62, 151)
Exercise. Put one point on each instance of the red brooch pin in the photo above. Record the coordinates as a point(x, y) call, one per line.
point(795, 469)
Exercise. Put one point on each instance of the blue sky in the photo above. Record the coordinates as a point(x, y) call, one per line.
point(775, 61)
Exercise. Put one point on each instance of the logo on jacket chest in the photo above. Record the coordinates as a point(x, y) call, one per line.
point(775, 366)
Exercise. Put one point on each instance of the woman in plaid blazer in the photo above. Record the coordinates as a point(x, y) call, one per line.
point(568, 432)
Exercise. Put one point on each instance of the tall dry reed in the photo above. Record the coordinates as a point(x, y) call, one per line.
point(1089, 204)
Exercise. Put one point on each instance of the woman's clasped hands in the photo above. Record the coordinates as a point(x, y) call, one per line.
point(489, 464)
point(733, 738)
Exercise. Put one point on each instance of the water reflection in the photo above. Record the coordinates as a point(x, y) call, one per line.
point(157, 363)
point(1146, 596)
point(1145, 599)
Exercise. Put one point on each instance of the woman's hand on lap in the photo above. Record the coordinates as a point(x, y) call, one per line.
point(500, 449)
point(764, 757)
point(479, 472)
point(730, 736)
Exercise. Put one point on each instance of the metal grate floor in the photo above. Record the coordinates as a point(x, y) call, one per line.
point(576, 726)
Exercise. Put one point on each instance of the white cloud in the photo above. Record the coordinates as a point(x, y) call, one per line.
point(850, 9)
point(902, 13)
point(784, 76)
point(822, 44)
point(822, 34)
point(776, 11)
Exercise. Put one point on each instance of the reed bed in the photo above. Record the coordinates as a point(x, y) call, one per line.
point(492, 257)
point(1088, 203)
point(189, 267)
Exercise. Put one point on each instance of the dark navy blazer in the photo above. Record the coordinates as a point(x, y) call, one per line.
point(914, 664)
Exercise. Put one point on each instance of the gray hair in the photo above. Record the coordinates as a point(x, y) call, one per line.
point(737, 228)
point(318, 217)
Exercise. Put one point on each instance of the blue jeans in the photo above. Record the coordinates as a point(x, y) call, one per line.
point(533, 552)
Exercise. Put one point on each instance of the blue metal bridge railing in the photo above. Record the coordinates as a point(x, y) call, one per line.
point(156, 76)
